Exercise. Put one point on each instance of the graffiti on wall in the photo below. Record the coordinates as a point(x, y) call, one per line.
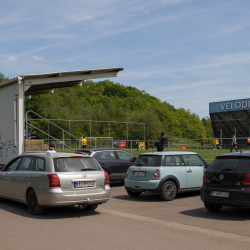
point(7, 147)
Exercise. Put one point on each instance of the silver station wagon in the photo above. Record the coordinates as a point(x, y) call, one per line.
point(46, 179)
point(165, 173)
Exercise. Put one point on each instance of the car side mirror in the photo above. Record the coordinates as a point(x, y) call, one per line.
point(207, 165)
point(133, 159)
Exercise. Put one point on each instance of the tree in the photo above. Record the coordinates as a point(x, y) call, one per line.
point(3, 78)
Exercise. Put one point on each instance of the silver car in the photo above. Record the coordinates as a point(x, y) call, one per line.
point(46, 179)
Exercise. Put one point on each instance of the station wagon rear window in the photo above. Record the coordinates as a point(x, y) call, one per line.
point(230, 163)
point(74, 164)
point(148, 160)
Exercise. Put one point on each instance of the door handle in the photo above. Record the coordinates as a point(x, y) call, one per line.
point(189, 171)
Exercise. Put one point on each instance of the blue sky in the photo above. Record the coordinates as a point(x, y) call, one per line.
point(185, 52)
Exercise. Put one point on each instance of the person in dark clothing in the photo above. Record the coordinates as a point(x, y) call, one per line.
point(137, 144)
point(147, 144)
point(161, 142)
point(234, 144)
point(202, 142)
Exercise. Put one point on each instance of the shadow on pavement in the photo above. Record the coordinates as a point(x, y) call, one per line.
point(225, 214)
point(150, 197)
point(49, 213)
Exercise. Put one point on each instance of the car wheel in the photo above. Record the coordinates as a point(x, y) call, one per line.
point(91, 207)
point(212, 208)
point(32, 203)
point(133, 194)
point(1, 200)
point(168, 191)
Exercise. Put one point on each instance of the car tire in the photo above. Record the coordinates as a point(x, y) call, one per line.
point(168, 191)
point(1, 200)
point(91, 207)
point(32, 203)
point(212, 207)
point(133, 193)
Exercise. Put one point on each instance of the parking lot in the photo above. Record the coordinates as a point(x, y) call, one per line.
point(124, 222)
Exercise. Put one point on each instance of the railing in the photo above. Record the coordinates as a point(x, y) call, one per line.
point(62, 141)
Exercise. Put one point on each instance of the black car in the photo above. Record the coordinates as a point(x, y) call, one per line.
point(114, 161)
point(226, 182)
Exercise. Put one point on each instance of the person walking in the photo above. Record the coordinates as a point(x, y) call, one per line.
point(147, 144)
point(234, 144)
point(160, 142)
point(137, 144)
point(84, 142)
point(202, 142)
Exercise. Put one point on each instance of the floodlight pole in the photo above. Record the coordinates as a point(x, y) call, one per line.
point(144, 131)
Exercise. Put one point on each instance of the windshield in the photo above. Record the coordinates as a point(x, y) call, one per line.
point(72, 164)
point(148, 161)
point(231, 163)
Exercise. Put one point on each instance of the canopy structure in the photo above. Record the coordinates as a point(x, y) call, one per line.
point(13, 93)
point(46, 83)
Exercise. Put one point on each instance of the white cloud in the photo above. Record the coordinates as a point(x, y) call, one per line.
point(12, 58)
point(38, 58)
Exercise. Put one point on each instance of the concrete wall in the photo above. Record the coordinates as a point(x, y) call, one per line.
point(11, 110)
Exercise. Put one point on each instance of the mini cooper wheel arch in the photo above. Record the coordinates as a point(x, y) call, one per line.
point(169, 178)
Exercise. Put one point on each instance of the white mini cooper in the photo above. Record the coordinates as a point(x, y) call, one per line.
point(165, 173)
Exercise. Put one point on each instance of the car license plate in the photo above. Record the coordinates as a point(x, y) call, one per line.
point(83, 184)
point(141, 174)
point(220, 194)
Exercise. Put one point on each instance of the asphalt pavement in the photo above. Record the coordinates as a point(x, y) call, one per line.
point(124, 222)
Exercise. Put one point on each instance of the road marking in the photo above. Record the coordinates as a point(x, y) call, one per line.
point(208, 232)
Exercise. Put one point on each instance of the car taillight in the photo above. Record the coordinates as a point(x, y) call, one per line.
point(54, 180)
point(204, 177)
point(127, 174)
point(106, 178)
point(246, 179)
point(157, 173)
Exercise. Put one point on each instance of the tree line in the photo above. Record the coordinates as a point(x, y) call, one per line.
point(109, 101)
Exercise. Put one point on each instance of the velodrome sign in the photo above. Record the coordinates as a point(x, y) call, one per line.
point(229, 106)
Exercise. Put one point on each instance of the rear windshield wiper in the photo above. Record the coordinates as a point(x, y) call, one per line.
point(86, 169)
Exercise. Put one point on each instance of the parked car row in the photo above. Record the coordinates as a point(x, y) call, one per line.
point(46, 179)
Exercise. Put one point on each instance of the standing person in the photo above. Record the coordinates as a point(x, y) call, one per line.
point(160, 142)
point(27, 131)
point(51, 148)
point(84, 142)
point(234, 143)
point(202, 142)
point(248, 143)
point(147, 144)
point(137, 144)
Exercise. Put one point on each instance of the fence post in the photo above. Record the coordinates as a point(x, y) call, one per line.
point(63, 140)
point(221, 137)
point(215, 147)
point(168, 145)
point(131, 147)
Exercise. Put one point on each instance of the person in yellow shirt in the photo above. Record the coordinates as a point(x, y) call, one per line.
point(217, 143)
point(84, 142)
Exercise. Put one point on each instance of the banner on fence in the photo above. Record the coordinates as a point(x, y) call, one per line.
point(122, 144)
point(183, 147)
